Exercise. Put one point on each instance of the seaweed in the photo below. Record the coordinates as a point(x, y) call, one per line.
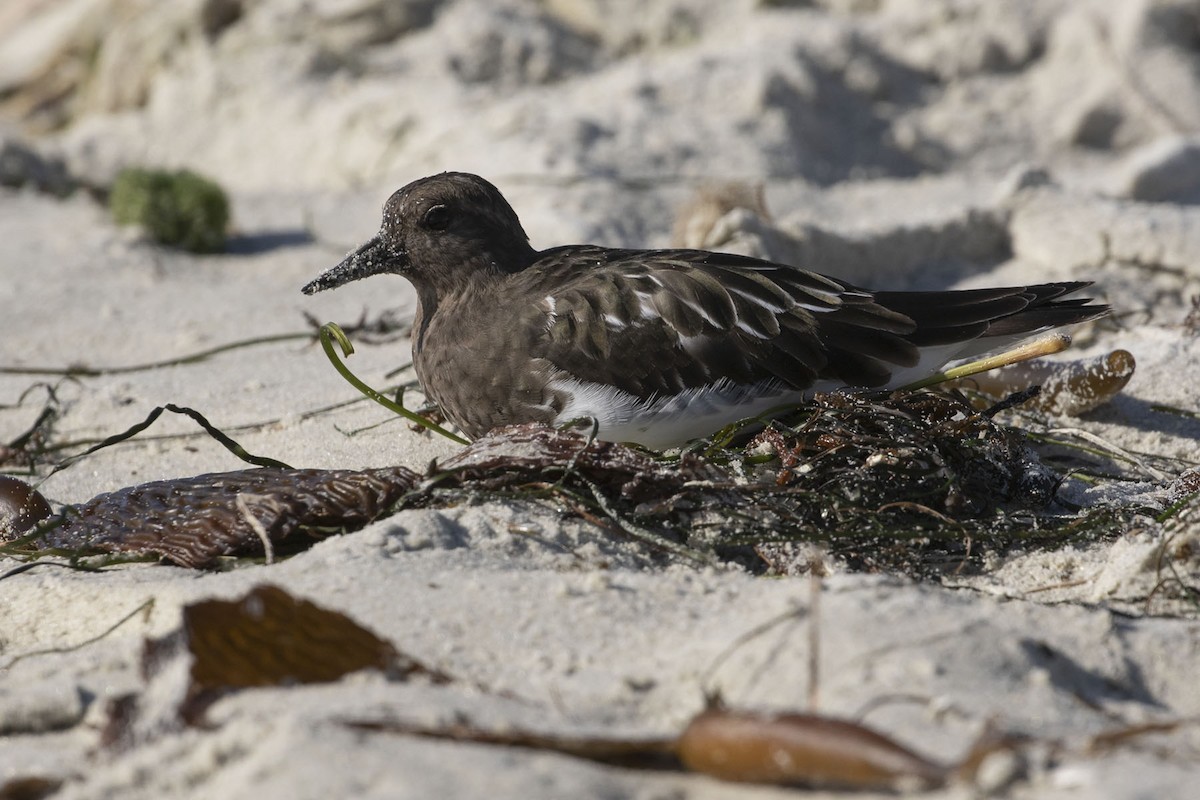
point(920, 482)
point(194, 521)
point(180, 209)
point(267, 637)
point(913, 482)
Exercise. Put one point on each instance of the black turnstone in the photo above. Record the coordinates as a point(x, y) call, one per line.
point(657, 346)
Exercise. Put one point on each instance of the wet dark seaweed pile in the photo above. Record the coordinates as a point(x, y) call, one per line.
point(916, 482)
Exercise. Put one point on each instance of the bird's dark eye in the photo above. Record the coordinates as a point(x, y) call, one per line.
point(436, 218)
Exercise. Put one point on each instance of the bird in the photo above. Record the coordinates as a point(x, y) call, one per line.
point(655, 347)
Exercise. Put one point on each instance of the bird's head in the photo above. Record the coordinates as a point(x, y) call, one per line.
point(438, 232)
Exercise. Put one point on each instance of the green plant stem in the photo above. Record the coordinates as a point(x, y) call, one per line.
point(1044, 346)
point(330, 332)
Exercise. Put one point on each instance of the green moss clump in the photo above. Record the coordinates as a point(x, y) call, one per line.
point(180, 209)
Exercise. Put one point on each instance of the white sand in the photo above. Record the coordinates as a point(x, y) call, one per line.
point(897, 143)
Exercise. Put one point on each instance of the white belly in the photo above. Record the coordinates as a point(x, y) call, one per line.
point(665, 422)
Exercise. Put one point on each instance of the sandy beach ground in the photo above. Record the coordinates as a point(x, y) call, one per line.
point(897, 143)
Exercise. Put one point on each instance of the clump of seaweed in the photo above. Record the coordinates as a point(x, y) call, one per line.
point(930, 448)
point(193, 521)
point(916, 481)
point(911, 482)
point(180, 209)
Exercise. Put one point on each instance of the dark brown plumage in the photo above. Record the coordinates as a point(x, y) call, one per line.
point(657, 345)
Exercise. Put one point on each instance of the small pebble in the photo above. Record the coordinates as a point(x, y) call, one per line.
point(998, 770)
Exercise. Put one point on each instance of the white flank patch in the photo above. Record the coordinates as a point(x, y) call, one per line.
point(665, 422)
point(701, 411)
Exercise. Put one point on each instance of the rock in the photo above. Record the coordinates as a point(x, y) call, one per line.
point(696, 222)
point(22, 165)
point(144, 37)
point(45, 706)
point(36, 35)
point(344, 25)
point(1120, 74)
point(1154, 42)
point(954, 40)
point(513, 44)
point(1056, 228)
point(1166, 170)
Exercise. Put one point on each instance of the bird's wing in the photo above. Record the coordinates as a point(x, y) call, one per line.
point(655, 323)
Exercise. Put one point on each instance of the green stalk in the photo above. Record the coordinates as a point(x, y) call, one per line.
point(1044, 346)
point(330, 332)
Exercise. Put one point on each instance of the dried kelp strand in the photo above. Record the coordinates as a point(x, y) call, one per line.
point(267, 637)
point(801, 749)
point(192, 521)
point(270, 638)
point(29, 787)
point(779, 749)
point(914, 481)
point(535, 451)
point(86, 371)
point(222, 438)
point(1068, 387)
point(651, 753)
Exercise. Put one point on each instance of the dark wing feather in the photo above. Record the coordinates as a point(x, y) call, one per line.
point(656, 322)
point(679, 319)
point(946, 317)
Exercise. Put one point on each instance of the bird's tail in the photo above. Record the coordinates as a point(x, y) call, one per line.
point(991, 314)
